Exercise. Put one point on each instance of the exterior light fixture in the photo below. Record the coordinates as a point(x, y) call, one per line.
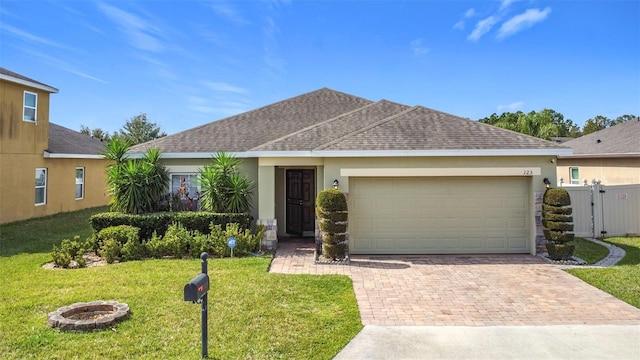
point(547, 182)
point(335, 184)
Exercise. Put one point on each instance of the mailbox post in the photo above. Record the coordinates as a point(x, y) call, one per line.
point(196, 291)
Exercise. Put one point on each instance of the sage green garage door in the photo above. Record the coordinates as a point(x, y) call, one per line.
point(438, 215)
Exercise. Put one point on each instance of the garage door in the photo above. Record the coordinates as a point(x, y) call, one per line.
point(439, 215)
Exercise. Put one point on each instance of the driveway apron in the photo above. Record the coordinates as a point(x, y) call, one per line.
point(463, 290)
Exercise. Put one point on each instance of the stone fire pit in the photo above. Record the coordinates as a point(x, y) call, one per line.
point(87, 316)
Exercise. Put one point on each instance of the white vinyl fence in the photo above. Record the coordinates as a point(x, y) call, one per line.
point(600, 210)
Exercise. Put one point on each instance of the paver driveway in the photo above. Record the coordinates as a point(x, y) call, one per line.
point(475, 290)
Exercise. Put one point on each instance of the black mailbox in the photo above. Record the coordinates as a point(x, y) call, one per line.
point(196, 288)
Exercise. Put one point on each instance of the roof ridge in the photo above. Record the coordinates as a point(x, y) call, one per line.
point(365, 128)
point(264, 107)
point(314, 125)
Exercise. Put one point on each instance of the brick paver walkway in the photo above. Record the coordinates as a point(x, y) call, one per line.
point(473, 290)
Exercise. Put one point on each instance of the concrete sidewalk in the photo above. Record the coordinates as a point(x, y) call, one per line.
point(583, 342)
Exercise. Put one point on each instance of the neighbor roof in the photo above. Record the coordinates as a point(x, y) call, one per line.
point(326, 122)
point(622, 140)
point(65, 142)
point(6, 74)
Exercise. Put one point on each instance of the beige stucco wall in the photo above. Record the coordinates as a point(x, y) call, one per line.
point(17, 186)
point(610, 171)
point(332, 166)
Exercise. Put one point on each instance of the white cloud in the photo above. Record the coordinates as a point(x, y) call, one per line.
point(482, 27)
point(30, 37)
point(62, 65)
point(140, 34)
point(511, 107)
point(228, 11)
point(522, 21)
point(468, 14)
point(418, 48)
point(224, 87)
point(505, 4)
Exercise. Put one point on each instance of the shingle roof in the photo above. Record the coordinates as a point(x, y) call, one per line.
point(328, 120)
point(421, 128)
point(615, 141)
point(256, 127)
point(67, 141)
point(21, 79)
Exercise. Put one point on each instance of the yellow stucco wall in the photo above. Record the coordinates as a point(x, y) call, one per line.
point(611, 171)
point(17, 186)
point(22, 146)
point(16, 135)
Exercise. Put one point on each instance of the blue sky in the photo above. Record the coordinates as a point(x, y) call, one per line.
point(186, 63)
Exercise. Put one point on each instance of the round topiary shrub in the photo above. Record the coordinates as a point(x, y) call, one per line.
point(558, 222)
point(331, 209)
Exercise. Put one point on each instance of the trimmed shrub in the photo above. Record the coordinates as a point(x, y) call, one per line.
point(133, 250)
point(246, 241)
point(557, 209)
point(160, 222)
point(331, 209)
point(110, 251)
point(557, 222)
point(557, 197)
point(70, 250)
point(176, 240)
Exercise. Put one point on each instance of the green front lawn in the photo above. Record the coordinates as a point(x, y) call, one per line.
point(621, 280)
point(590, 251)
point(252, 313)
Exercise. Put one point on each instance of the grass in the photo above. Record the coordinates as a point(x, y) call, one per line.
point(40, 234)
point(252, 314)
point(621, 280)
point(589, 251)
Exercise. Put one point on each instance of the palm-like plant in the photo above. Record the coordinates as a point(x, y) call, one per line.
point(222, 188)
point(135, 185)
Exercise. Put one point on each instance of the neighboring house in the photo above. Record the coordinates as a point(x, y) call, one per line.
point(611, 156)
point(418, 181)
point(44, 168)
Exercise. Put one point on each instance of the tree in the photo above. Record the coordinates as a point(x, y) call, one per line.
point(136, 186)
point(139, 129)
point(596, 124)
point(544, 124)
point(95, 133)
point(223, 188)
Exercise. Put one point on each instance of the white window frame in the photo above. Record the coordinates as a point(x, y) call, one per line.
point(25, 107)
point(573, 181)
point(44, 187)
point(79, 182)
point(193, 185)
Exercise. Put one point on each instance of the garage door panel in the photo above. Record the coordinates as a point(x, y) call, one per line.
point(439, 215)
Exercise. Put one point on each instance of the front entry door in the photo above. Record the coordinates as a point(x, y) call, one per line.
point(300, 201)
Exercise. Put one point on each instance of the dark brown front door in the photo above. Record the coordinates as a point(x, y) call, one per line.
point(300, 201)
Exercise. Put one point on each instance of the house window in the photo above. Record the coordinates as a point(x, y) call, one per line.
point(575, 176)
point(41, 186)
point(184, 185)
point(30, 106)
point(79, 183)
point(185, 191)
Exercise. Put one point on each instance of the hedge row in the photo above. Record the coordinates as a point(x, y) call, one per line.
point(159, 222)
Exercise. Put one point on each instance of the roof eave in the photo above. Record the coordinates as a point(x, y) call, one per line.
point(50, 155)
point(370, 153)
point(32, 84)
point(600, 156)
